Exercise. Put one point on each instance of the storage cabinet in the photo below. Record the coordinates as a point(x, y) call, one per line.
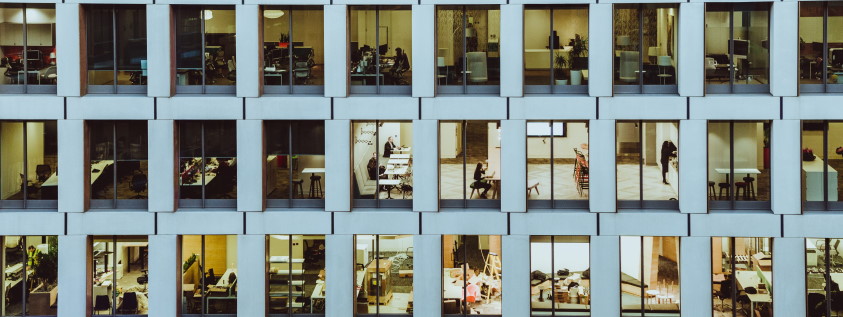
point(11, 34)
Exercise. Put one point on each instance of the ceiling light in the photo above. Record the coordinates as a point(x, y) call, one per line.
point(207, 14)
point(273, 14)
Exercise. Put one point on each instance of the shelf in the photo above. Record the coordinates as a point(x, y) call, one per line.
point(283, 259)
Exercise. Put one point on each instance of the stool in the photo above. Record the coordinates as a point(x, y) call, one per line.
point(530, 189)
point(473, 189)
point(723, 186)
point(711, 194)
point(316, 186)
point(750, 187)
point(738, 187)
point(298, 191)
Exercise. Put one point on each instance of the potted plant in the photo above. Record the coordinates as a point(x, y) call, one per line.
point(559, 69)
point(284, 40)
point(45, 276)
point(579, 58)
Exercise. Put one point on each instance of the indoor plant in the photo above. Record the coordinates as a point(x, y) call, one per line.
point(559, 69)
point(579, 58)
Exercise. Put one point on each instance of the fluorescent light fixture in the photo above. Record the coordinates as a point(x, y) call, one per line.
point(207, 14)
point(273, 14)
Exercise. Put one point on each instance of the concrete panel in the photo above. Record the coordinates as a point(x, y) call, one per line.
point(602, 172)
point(424, 51)
point(200, 108)
point(736, 224)
point(48, 107)
point(462, 2)
point(164, 298)
point(600, 57)
point(108, 1)
point(250, 174)
point(735, 107)
point(160, 51)
point(72, 189)
point(338, 266)
point(512, 50)
point(426, 163)
point(695, 276)
point(251, 275)
point(812, 107)
point(605, 276)
point(784, 50)
point(553, 223)
point(383, 222)
point(371, 2)
point(288, 222)
point(549, 1)
point(111, 223)
point(336, 51)
point(376, 108)
point(513, 166)
point(644, 107)
point(464, 107)
point(814, 225)
point(786, 170)
point(691, 72)
point(200, 222)
point(111, 108)
point(249, 50)
point(285, 108)
point(68, 45)
point(427, 275)
point(162, 166)
point(18, 223)
point(198, 2)
point(74, 293)
point(338, 173)
point(294, 2)
point(651, 223)
point(453, 222)
point(553, 107)
point(788, 288)
point(693, 197)
point(516, 268)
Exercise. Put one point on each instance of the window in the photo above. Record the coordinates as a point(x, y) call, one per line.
point(28, 164)
point(296, 275)
point(382, 164)
point(31, 274)
point(557, 164)
point(742, 267)
point(293, 50)
point(383, 275)
point(207, 164)
point(647, 164)
point(820, 47)
point(822, 146)
point(116, 47)
point(823, 287)
point(205, 49)
point(30, 65)
point(471, 275)
point(295, 156)
point(121, 275)
point(556, 49)
point(381, 45)
point(737, 55)
point(469, 164)
point(739, 164)
point(645, 48)
point(650, 276)
point(209, 275)
point(561, 275)
point(118, 158)
point(468, 49)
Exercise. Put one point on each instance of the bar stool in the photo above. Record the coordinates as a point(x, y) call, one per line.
point(722, 187)
point(750, 187)
point(711, 193)
point(298, 190)
point(738, 187)
point(316, 186)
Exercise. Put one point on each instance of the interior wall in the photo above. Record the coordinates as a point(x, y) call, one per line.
point(33, 16)
point(576, 134)
point(395, 23)
point(11, 158)
point(449, 139)
point(219, 252)
point(223, 21)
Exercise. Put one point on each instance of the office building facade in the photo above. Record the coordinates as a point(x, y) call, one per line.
point(420, 157)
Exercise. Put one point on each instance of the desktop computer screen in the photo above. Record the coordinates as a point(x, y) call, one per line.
point(741, 47)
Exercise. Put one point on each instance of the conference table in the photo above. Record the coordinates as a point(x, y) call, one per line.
point(752, 279)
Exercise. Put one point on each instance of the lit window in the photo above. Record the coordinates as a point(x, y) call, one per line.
point(820, 50)
point(650, 276)
point(822, 148)
point(296, 274)
point(30, 276)
point(209, 275)
point(472, 283)
point(383, 275)
point(382, 163)
point(739, 164)
point(742, 267)
point(121, 276)
point(29, 173)
point(293, 50)
point(205, 49)
point(207, 164)
point(647, 164)
point(118, 158)
point(381, 45)
point(295, 163)
point(30, 65)
point(468, 49)
point(560, 276)
point(469, 164)
point(557, 164)
point(645, 48)
point(823, 276)
point(737, 55)
point(556, 49)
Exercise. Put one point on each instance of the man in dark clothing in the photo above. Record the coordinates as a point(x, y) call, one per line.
point(668, 151)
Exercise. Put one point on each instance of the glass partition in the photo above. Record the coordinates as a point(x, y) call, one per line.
point(560, 276)
point(120, 276)
point(737, 56)
point(471, 271)
point(293, 49)
point(647, 164)
point(468, 49)
point(31, 64)
point(383, 275)
point(742, 276)
point(380, 40)
point(650, 276)
point(556, 49)
point(209, 275)
point(296, 275)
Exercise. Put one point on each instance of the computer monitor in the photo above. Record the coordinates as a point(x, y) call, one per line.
point(835, 55)
point(741, 47)
point(383, 49)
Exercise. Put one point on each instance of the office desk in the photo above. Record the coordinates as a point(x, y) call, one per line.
point(450, 289)
point(281, 74)
point(398, 161)
point(750, 278)
point(96, 172)
point(814, 190)
point(389, 182)
point(399, 156)
point(318, 293)
point(397, 170)
point(403, 149)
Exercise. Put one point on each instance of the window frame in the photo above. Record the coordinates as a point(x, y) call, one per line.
point(204, 87)
point(733, 203)
point(378, 88)
point(25, 292)
point(731, 87)
point(26, 87)
point(465, 88)
point(198, 204)
point(25, 203)
point(376, 202)
point(290, 202)
point(825, 204)
point(464, 268)
point(114, 240)
point(641, 203)
point(551, 87)
point(641, 87)
point(553, 203)
point(376, 249)
point(114, 202)
point(289, 277)
point(552, 242)
point(204, 297)
point(113, 88)
point(466, 201)
point(643, 286)
point(825, 87)
point(292, 88)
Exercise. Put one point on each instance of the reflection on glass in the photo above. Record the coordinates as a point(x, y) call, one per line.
point(35, 177)
point(120, 276)
point(383, 274)
point(650, 276)
point(647, 164)
point(209, 274)
point(30, 275)
point(129, 21)
point(627, 44)
point(293, 40)
point(739, 160)
point(469, 160)
point(296, 274)
point(742, 267)
point(382, 160)
point(565, 29)
point(468, 39)
point(822, 147)
point(471, 275)
point(645, 44)
point(736, 43)
point(304, 168)
point(33, 62)
point(208, 28)
point(557, 150)
point(207, 163)
point(560, 278)
point(380, 45)
point(127, 142)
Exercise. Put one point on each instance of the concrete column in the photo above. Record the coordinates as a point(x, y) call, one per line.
point(73, 189)
point(340, 271)
point(249, 52)
point(424, 51)
point(690, 70)
point(786, 167)
point(512, 50)
point(788, 277)
point(516, 269)
point(160, 51)
point(250, 179)
point(338, 169)
point(69, 50)
point(693, 176)
point(601, 145)
point(600, 52)
point(251, 275)
point(427, 275)
point(425, 165)
point(336, 51)
point(695, 276)
point(784, 52)
point(513, 165)
point(605, 276)
point(74, 298)
point(164, 266)
point(162, 166)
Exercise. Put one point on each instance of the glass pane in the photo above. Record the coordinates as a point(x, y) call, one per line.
point(395, 32)
point(570, 161)
point(483, 159)
point(750, 40)
point(131, 45)
point(366, 163)
point(719, 157)
point(631, 279)
point(100, 38)
point(296, 274)
point(189, 37)
point(363, 33)
point(815, 269)
point(220, 46)
point(835, 161)
point(537, 43)
point(193, 274)
point(14, 252)
point(191, 166)
point(42, 281)
point(628, 160)
point(753, 270)
point(722, 279)
point(835, 42)
point(220, 254)
point(813, 186)
point(396, 180)
point(450, 45)
point(41, 44)
point(471, 275)
point(835, 267)
point(661, 264)
point(539, 139)
point(482, 40)
point(278, 160)
point(42, 159)
point(451, 166)
point(12, 45)
point(308, 46)
point(627, 44)
point(120, 276)
point(660, 44)
point(811, 45)
point(220, 160)
point(560, 278)
point(12, 176)
point(309, 157)
point(572, 27)
point(394, 286)
point(276, 45)
point(661, 166)
point(752, 161)
point(101, 140)
point(717, 62)
point(132, 161)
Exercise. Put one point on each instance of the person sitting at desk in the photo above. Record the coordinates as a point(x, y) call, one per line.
point(480, 179)
point(389, 146)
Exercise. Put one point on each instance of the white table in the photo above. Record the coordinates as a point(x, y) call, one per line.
point(223, 280)
point(389, 182)
point(99, 167)
point(395, 161)
point(313, 170)
point(814, 180)
point(399, 156)
point(403, 149)
point(399, 170)
point(318, 293)
point(746, 171)
point(750, 278)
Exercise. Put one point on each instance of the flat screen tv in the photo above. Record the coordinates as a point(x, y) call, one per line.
point(741, 47)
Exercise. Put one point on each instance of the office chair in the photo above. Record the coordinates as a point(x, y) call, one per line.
point(629, 66)
point(143, 279)
point(210, 279)
point(477, 66)
point(49, 76)
point(138, 185)
point(102, 302)
point(302, 72)
point(43, 171)
point(130, 303)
